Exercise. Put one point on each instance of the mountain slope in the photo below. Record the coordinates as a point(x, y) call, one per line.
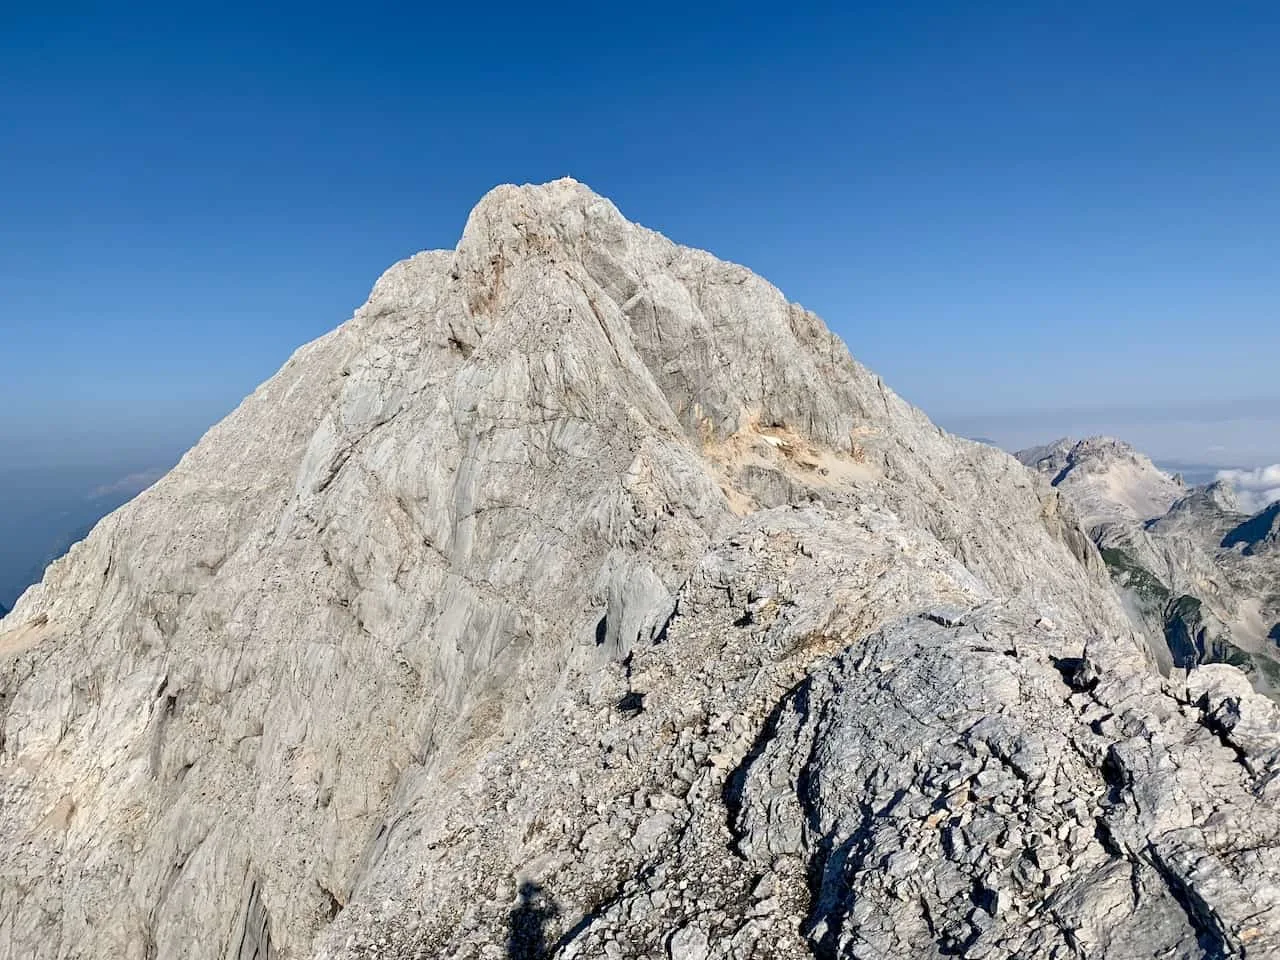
point(472, 630)
point(1259, 534)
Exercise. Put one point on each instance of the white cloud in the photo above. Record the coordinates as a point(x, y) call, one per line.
point(131, 485)
point(1255, 488)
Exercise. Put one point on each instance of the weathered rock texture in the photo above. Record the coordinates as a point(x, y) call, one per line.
point(1108, 481)
point(1201, 574)
point(582, 597)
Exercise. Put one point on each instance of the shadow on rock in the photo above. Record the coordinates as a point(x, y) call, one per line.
point(527, 928)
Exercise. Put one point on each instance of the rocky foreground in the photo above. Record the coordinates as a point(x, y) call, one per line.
point(581, 597)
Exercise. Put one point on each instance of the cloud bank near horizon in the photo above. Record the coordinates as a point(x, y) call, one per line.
point(1256, 488)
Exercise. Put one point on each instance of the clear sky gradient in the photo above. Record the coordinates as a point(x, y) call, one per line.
point(1030, 218)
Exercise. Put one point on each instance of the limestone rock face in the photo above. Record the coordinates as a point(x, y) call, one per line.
point(581, 596)
point(1258, 535)
point(1107, 480)
point(1201, 574)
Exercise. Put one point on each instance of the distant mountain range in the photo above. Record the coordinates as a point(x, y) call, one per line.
point(1198, 565)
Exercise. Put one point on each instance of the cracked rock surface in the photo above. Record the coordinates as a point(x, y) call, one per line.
point(582, 597)
point(1034, 813)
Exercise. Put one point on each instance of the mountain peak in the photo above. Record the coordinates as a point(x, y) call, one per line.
point(475, 627)
point(1110, 480)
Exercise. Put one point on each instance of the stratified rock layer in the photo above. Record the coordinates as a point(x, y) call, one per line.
point(581, 596)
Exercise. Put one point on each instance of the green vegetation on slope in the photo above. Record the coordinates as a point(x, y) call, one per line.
point(1128, 573)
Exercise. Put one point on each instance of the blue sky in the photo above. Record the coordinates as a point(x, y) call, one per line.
point(1030, 218)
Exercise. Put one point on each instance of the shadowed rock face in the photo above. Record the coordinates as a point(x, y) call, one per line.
point(1258, 534)
point(539, 608)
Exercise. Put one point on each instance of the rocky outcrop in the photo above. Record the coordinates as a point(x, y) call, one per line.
point(1045, 810)
point(543, 609)
point(1258, 535)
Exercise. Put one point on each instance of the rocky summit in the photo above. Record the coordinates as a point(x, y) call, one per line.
point(582, 597)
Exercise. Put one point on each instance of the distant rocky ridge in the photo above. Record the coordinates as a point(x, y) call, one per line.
point(1259, 535)
point(1195, 567)
point(582, 597)
point(1108, 481)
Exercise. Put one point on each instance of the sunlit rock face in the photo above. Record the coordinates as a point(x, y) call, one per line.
point(580, 597)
